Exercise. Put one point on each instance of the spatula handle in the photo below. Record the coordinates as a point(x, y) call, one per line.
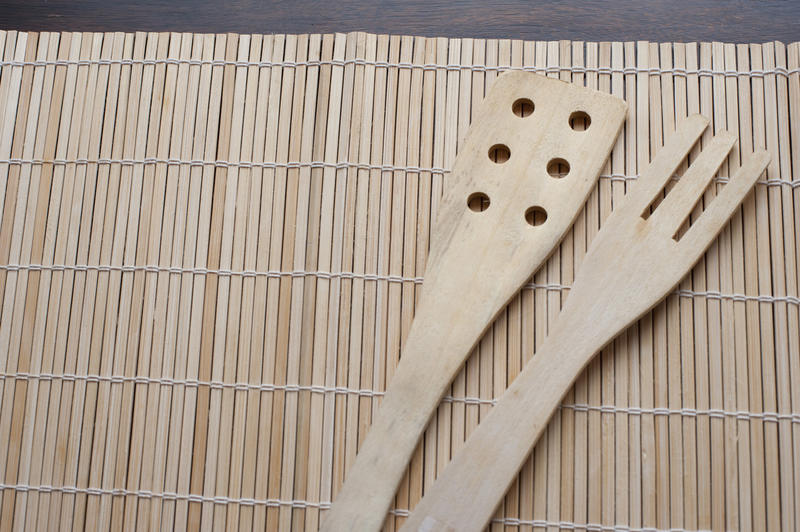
point(416, 389)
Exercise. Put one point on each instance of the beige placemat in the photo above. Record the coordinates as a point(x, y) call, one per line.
point(211, 247)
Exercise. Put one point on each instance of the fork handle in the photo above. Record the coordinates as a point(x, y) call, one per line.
point(466, 494)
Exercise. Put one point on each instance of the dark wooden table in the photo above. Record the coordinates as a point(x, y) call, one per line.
point(596, 20)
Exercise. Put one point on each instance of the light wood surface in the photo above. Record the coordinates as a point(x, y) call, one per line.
point(183, 168)
point(518, 183)
point(638, 256)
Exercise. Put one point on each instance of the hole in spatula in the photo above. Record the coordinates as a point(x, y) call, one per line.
point(478, 202)
point(523, 107)
point(558, 168)
point(535, 216)
point(499, 153)
point(579, 121)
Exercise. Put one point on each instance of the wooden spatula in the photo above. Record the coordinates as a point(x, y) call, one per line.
point(631, 265)
point(524, 172)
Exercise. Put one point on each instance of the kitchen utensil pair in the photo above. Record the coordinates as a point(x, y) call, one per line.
point(527, 165)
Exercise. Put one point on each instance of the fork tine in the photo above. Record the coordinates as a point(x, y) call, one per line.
point(716, 215)
point(666, 161)
point(676, 206)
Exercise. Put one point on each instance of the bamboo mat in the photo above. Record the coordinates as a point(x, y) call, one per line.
point(211, 247)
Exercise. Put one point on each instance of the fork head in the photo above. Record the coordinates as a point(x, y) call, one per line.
point(671, 213)
point(638, 257)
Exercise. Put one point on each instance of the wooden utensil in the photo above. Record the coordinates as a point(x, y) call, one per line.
point(522, 175)
point(631, 265)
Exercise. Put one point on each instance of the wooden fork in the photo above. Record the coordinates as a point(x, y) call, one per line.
point(631, 265)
